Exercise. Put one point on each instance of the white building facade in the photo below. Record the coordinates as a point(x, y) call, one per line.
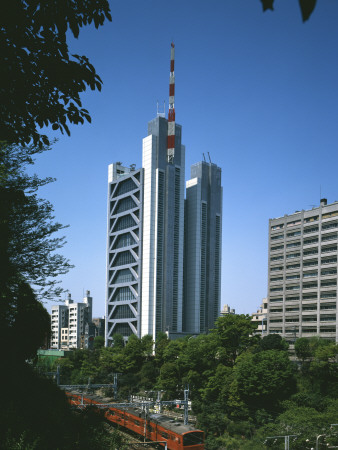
point(124, 251)
point(68, 323)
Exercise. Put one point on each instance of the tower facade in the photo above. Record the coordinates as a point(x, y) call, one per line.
point(302, 286)
point(124, 251)
point(203, 242)
point(163, 230)
point(145, 256)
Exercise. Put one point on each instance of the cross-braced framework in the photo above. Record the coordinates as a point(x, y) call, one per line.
point(124, 252)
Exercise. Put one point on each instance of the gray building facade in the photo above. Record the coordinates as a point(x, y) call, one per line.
point(302, 283)
point(124, 251)
point(203, 243)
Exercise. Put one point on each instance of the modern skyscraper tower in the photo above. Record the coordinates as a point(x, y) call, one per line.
point(163, 163)
point(146, 237)
point(203, 242)
point(124, 251)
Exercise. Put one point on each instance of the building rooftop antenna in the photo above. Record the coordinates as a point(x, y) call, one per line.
point(209, 157)
point(161, 113)
point(171, 113)
point(204, 157)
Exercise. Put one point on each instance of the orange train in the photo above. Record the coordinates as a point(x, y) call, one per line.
point(157, 427)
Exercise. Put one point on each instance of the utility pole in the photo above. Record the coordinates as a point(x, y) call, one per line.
point(286, 440)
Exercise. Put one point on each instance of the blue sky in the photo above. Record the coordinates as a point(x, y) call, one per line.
point(258, 91)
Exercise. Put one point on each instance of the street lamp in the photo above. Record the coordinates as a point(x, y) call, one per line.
point(317, 440)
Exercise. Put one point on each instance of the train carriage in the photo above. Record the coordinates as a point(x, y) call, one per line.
point(156, 427)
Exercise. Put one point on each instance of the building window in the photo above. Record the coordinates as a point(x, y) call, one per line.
point(329, 237)
point(332, 248)
point(311, 251)
point(329, 226)
point(328, 283)
point(310, 241)
point(330, 214)
point(310, 274)
point(293, 277)
point(310, 297)
point(292, 298)
point(331, 294)
point(310, 263)
point(294, 223)
point(293, 266)
point(328, 306)
point(294, 233)
point(278, 236)
point(310, 230)
point(331, 260)
point(276, 258)
point(311, 219)
point(293, 244)
point(277, 227)
point(310, 285)
point(292, 288)
point(277, 247)
point(276, 269)
point(276, 279)
point(292, 255)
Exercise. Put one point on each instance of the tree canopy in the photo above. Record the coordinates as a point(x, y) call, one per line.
point(306, 7)
point(28, 243)
point(239, 396)
point(41, 81)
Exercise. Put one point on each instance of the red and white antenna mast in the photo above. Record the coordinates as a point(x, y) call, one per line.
point(171, 113)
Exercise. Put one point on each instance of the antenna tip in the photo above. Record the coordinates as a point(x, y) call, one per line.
point(173, 45)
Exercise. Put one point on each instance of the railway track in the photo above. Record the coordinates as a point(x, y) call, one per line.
point(133, 442)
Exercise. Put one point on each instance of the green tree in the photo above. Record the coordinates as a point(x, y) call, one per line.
point(41, 81)
point(98, 342)
point(169, 380)
point(28, 243)
point(303, 349)
point(306, 7)
point(161, 344)
point(24, 323)
point(273, 342)
point(307, 423)
point(264, 379)
point(235, 335)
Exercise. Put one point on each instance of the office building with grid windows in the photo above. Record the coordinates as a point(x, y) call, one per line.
point(302, 286)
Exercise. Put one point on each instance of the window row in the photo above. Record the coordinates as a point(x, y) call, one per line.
point(306, 297)
point(296, 276)
point(306, 230)
point(312, 285)
point(309, 252)
point(296, 222)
